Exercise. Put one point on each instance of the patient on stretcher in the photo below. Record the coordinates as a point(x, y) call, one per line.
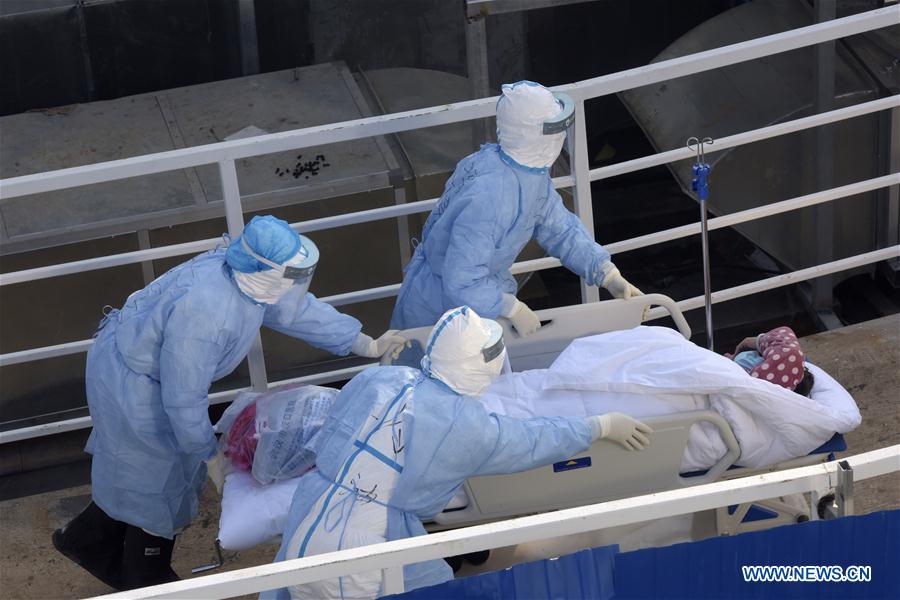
point(651, 371)
point(775, 356)
point(646, 371)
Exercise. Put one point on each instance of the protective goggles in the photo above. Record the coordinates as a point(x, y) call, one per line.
point(300, 273)
point(565, 118)
point(495, 345)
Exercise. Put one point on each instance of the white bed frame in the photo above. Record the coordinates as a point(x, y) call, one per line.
point(613, 472)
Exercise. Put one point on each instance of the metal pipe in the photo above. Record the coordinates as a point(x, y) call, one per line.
point(700, 185)
point(707, 286)
point(580, 166)
point(234, 216)
point(823, 218)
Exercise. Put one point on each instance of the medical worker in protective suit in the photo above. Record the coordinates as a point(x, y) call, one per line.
point(399, 442)
point(147, 378)
point(497, 200)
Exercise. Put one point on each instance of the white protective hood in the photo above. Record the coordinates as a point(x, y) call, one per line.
point(521, 112)
point(454, 352)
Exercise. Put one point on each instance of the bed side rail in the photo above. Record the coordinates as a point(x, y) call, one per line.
point(564, 324)
point(604, 472)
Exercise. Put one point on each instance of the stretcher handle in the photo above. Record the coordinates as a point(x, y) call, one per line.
point(731, 455)
point(637, 307)
point(671, 307)
point(567, 314)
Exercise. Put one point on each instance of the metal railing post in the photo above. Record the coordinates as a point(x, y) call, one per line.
point(234, 217)
point(822, 300)
point(392, 581)
point(477, 72)
point(844, 489)
point(576, 142)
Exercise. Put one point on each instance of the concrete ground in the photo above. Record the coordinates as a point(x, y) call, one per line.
point(865, 358)
point(30, 567)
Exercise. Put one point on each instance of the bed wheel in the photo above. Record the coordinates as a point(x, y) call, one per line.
point(455, 562)
point(825, 503)
point(477, 558)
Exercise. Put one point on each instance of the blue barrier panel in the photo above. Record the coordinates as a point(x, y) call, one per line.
point(585, 574)
point(713, 568)
point(708, 569)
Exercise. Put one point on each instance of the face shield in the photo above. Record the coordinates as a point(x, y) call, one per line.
point(299, 270)
point(532, 122)
point(561, 122)
point(494, 351)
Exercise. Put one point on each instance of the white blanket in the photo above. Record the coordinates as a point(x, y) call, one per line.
point(253, 513)
point(650, 371)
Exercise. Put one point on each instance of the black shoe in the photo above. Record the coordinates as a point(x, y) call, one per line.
point(93, 540)
point(477, 558)
point(146, 560)
point(455, 562)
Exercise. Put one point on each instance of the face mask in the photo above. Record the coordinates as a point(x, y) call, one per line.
point(268, 287)
point(473, 383)
point(539, 152)
point(472, 380)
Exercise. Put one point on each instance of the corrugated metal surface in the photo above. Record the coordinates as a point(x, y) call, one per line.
point(755, 94)
point(706, 569)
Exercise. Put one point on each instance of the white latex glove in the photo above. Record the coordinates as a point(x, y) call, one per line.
point(522, 318)
point(364, 345)
point(215, 470)
point(618, 286)
point(626, 431)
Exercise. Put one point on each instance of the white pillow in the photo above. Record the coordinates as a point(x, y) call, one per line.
point(253, 513)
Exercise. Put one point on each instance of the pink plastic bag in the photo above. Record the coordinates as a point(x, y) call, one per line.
point(241, 444)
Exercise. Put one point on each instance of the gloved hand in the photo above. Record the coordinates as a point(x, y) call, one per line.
point(626, 431)
point(215, 470)
point(522, 318)
point(618, 286)
point(364, 345)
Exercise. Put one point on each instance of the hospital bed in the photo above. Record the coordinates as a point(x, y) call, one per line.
point(606, 471)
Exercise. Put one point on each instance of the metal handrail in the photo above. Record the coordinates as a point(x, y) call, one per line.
point(446, 114)
point(390, 557)
point(388, 212)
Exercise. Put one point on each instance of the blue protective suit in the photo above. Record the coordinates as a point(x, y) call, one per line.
point(149, 372)
point(393, 451)
point(491, 207)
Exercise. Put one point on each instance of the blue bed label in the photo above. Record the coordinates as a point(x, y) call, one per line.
point(572, 463)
